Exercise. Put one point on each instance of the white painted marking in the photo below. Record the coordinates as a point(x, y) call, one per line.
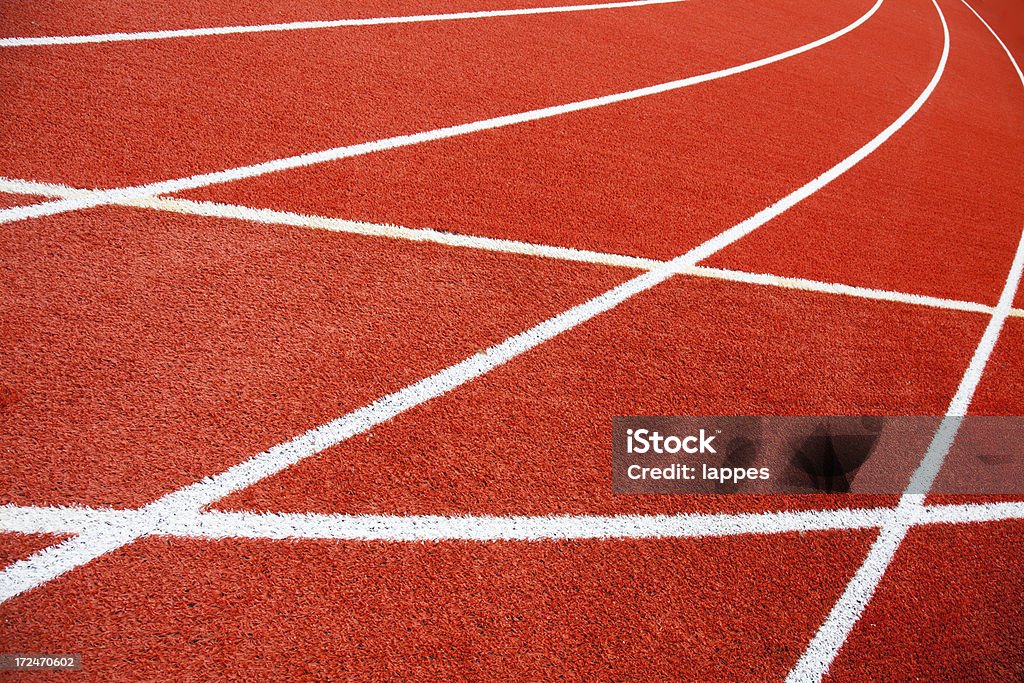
point(195, 497)
point(451, 239)
point(33, 187)
point(970, 513)
point(1013, 60)
point(79, 520)
point(406, 528)
point(59, 520)
point(61, 558)
point(833, 633)
point(271, 216)
point(124, 194)
point(806, 285)
point(307, 25)
point(275, 217)
point(516, 528)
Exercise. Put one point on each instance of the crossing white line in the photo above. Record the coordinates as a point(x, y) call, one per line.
point(411, 528)
point(38, 41)
point(833, 633)
point(120, 195)
point(271, 216)
point(451, 239)
point(61, 558)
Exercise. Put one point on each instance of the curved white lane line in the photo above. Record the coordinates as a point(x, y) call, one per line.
point(1013, 60)
point(833, 633)
point(59, 559)
point(311, 158)
point(306, 25)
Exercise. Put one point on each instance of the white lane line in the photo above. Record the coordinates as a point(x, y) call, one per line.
point(1013, 60)
point(27, 573)
point(833, 633)
point(835, 288)
point(275, 217)
point(970, 513)
point(214, 525)
point(409, 528)
point(36, 188)
point(80, 520)
point(59, 519)
point(306, 25)
point(61, 558)
point(451, 239)
point(120, 195)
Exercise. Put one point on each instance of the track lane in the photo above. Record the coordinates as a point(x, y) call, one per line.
point(18, 546)
point(119, 114)
point(148, 350)
point(54, 18)
point(938, 211)
point(1007, 18)
point(7, 199)
point(949, 608)
point(537, 637)
point(643, 178)
point(56, 561)
point(432, 611)
point(532, 437)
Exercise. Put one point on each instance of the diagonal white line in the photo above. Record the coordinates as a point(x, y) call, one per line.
point(81, 520)
point(412, 528)
point(34, 187)
point(59, 519)
point(271, 216)
point(833, 633)
point(306, 25)
point(452, 239)
point(870, 293)
point(61, 558)
point(1013, 60)
point(515, 528)
point(123, 194)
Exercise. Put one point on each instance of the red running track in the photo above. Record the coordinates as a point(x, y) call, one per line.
point(710, 610)
point(187, 344)
point(117, 114)
point(650, 177)
point(53, 18)
point(146, 350)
